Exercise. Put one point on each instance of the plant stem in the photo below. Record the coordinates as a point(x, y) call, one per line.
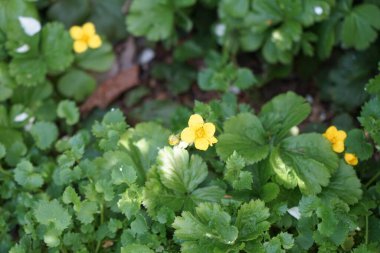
point(101, 223)
point(372, 179)
point(366, 229)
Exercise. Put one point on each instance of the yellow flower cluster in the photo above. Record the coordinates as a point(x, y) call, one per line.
point(85, 37)
point(336, 138)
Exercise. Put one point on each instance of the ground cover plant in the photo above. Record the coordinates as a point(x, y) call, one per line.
point(219, 126)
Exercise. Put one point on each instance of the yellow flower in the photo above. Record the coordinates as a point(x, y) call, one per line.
point(336, 137)
point(173, 140)
point(351, 159)
point(85, 37)
point(199, 133)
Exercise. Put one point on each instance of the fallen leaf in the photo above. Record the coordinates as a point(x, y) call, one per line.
point(112, 88)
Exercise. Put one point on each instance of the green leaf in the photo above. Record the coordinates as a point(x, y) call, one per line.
point(370, 118)
point(244, 134)
point(283, 112)
point(70, 196)
point(344, 184)
point(142, 19)
point(52, 213)
point(233, 174)
point(252, 220)
point(100, 59)
point(356, 143)
point(86, 212)
point(3, 151)
point(27, 176)
point(14, 145)
point(235, 8)
point(359, 27)
point(133, 248)
point(373, 86)
point(28, 72)
point(269, 191)
point(178, 171)
point(210, 225)
point(44, 134)
point(130, 201)
point(306, 160)
point(76, 84)
point(56, 47)
point(139, 225)
point(69, 111)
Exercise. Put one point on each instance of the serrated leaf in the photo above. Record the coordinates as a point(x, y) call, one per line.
point(283, 112)
point(56, 47)
point(52, 213)
point(344, 184)
point(69, 111)
point(44, 134)
point(252, 220)
point(13, 143)
point(357, 144)
point(360, 26)
point(209, 225)
point(142, 19)
point(373, 86)
point(370, 118)
point(244, 134)
point(130, 201)
point(70, 196)
point(139, 225)
point(27, 176)
point(233, 174)
point(76, 84)
point(306, 160)
point(180, 172)
point(269, 191)
point(28, 72)
point(86, 212)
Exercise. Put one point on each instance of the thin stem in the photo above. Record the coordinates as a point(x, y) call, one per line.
point(372, 179)
point(366, 229)
point(101, 223)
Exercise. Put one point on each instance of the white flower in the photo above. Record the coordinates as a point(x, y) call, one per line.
point(146, 56)
point(23, 49)
point(21, 117)
point(318, 10)
point(30, 25)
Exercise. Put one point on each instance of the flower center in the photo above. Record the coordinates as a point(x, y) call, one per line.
point(200, 133)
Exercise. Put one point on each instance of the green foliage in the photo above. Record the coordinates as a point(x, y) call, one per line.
point(68, 111)
point(143, 15)
point(44, 134)
point(306, 160)
point(282, 113)
point(244, 134)
point(359, 27)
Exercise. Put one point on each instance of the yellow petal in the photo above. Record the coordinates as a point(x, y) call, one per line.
point(94, 41)
point(341, 135)
point(88, 29)
point(209, 129)
point(212, 140)
point(195, 121)
point(80, 46)
point(188, 135)
point(351, 159)
point(76, 32)
point(201, 144)
point(330, 132)
point(338, 146)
